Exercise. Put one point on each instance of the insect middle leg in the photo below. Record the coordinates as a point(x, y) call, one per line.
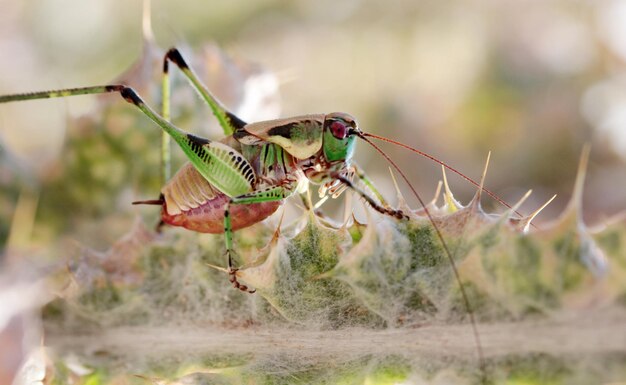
point(270, 194)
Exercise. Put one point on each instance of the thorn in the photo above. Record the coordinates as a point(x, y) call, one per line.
point(218, 268)
point(451, 205)
point(356, 221)
point(476, 200)
point(607, 221)
point(509, 213)
point(519, 203)
point(432, 205)
point(400, 197)
point(576, 202)
point(276, 234)
point(433, 202)
point(524, 223)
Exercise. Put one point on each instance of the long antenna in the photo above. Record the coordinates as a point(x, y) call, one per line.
point(479, 349)
point(490, 193)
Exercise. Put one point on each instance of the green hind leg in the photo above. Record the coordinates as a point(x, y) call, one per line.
point(229, 121)
point(166, 148)
point(193, 147)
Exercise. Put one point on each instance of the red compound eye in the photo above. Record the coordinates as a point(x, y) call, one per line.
point(338, 129)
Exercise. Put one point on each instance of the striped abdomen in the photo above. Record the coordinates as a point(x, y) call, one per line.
point(193, 203)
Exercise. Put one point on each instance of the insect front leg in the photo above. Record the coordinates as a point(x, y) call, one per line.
point(399, 214)
point(270, 194)
point(370, 185)
point(336, 186)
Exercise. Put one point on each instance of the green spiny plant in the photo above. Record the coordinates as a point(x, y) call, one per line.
point(360, 303)
point(350, 303)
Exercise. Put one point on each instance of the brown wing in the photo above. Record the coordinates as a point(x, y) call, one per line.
point(300, 136)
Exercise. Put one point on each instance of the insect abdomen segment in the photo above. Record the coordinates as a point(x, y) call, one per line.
point(192, 202)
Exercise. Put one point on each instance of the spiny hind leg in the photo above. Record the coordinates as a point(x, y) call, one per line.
point(228, 120)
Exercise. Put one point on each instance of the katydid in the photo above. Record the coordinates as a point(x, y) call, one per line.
point(242, 179)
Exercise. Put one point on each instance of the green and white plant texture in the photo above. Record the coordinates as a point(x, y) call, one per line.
point(339, 303)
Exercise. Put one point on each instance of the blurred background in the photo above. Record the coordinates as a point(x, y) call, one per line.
point(532, 81)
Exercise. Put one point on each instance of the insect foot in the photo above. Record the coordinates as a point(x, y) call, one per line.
point(232, 276)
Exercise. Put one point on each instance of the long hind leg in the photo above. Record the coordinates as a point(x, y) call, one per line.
point(229, 121)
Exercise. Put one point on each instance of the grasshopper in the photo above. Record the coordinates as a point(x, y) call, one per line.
point(242, 179)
